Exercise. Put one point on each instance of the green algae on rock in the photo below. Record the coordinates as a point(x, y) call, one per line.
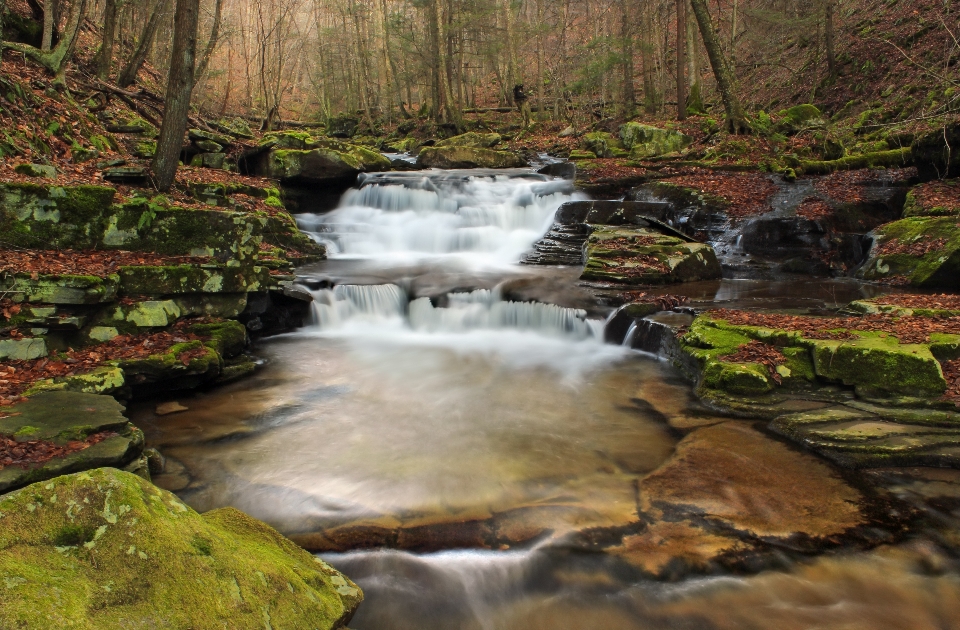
point(61, 417)
point(100, 548)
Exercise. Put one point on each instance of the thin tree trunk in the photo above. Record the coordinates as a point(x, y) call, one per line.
point(681, 60)
point(651, 97)
point(211, 44)
point(179, 88)
point(56, 60)
point(629, 104)
point(129, 74)
point(828, 10)
point(105, 56)
point(49, 24)
point(695, 95)
point(737, 121)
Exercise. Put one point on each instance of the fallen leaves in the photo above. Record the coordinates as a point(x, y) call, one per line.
point(32, 452)
point(761, 353)
point(944, 195)
point(814, 208)
point(747, 194)
point(84, 263)
point(909, 300)
point(905, 329)
point(17, 377)
point(850, 186)
point(917, 248)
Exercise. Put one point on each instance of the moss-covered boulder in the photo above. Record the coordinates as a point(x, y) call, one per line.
point(81, 431)
point(468, 157)
point(184, 279)
point(919, 251)
point(644, 141)
point(23, 349)
point(106, 550)
point(343, 126)
point(603, 145)
point(935, 199)
point(879, 363)
point(472, 139)
point(798, 118)
point(625, 255)
point(320, 160)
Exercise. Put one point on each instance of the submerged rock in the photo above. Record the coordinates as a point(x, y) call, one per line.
point(919, 251)
point(102, 548)
point(90, 431)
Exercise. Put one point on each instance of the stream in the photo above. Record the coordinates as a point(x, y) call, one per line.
point(450, 448)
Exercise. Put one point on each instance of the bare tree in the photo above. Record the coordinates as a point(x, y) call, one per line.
point(55, 60)
point(129, 74)
point(179, 89)
point(737, 121)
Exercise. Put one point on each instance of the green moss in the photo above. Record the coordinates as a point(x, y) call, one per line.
point(183, 279)
point(67, 217)
point(97, 549)
point(468, 157)
point(637, 256)
point(939, 267)
point(471, 139)
point(228, 337)
point(898, 158)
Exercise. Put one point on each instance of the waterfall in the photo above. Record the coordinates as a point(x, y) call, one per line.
point(333, 307)
point(482, 309)
point(486, 220)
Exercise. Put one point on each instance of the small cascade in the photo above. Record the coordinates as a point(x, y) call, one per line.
point(482, 309)
point(631, 335)
point(333, 307)
point(485, 219)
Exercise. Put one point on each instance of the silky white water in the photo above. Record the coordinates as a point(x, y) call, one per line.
point(480, 221)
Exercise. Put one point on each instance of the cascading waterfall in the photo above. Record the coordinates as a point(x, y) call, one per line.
point(465, 311)
point(485, 220)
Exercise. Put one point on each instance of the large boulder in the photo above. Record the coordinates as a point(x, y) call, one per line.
point(937, 154)
point(104, 549)
point(644, 141)
point(297, 158)
point(798, 118)
point(60, 432)
point(468, 157)
point(472, 139)
point(919, 251)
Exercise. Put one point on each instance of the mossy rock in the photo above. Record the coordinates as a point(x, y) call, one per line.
point(98, 549)
point(880, 364)
point(468, 157)
point(935, 154)
point(938, 267)
point(65, 289)
point(61, 417)
point(622, 255)
point(35, 216)
point(22, 349)
point(184, 279)
point(644, 141)
point(914, 207)
point(170, 371)
point(228, 338)
point(578, 154)
point(330, 161)
point(471, 139)
point(798, 118)
point(343, 126)
point(603, 145)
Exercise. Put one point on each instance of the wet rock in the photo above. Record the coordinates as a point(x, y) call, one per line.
point(457, 157)
point(61, 418)
point(565, 170)
point(729, 491)
point(167, 408)
point(861, 435)
point(921, 251)
point(63, 540)
point(644, 141)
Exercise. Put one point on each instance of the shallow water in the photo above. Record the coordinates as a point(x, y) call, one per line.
point(425, 412)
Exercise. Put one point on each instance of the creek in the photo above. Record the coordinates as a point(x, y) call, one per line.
point(451, 429)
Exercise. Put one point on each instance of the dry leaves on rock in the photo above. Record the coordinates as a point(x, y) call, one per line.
point(26, 454)
point(917, 248)
point(911, 300)
point(759, 352)
point(747, 193)
point(84, 263)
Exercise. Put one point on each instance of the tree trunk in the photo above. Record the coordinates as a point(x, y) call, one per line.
point(179, 88)
point(56, 60)
point(695, 95)
point(681, 60)
point(105, 56)
point(211, 44)
point(651, 96)
point(828, 10)
point(49, 24)
point(129, 74)
point(629, 104)
point(737, 121)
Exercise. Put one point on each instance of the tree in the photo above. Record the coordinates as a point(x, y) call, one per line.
point(211, 44)
point(55, 60)
point(681, 61)
point(179, 88)
point(105, 55)
point(828, 9)
point(129, 74)
point(737, 121)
